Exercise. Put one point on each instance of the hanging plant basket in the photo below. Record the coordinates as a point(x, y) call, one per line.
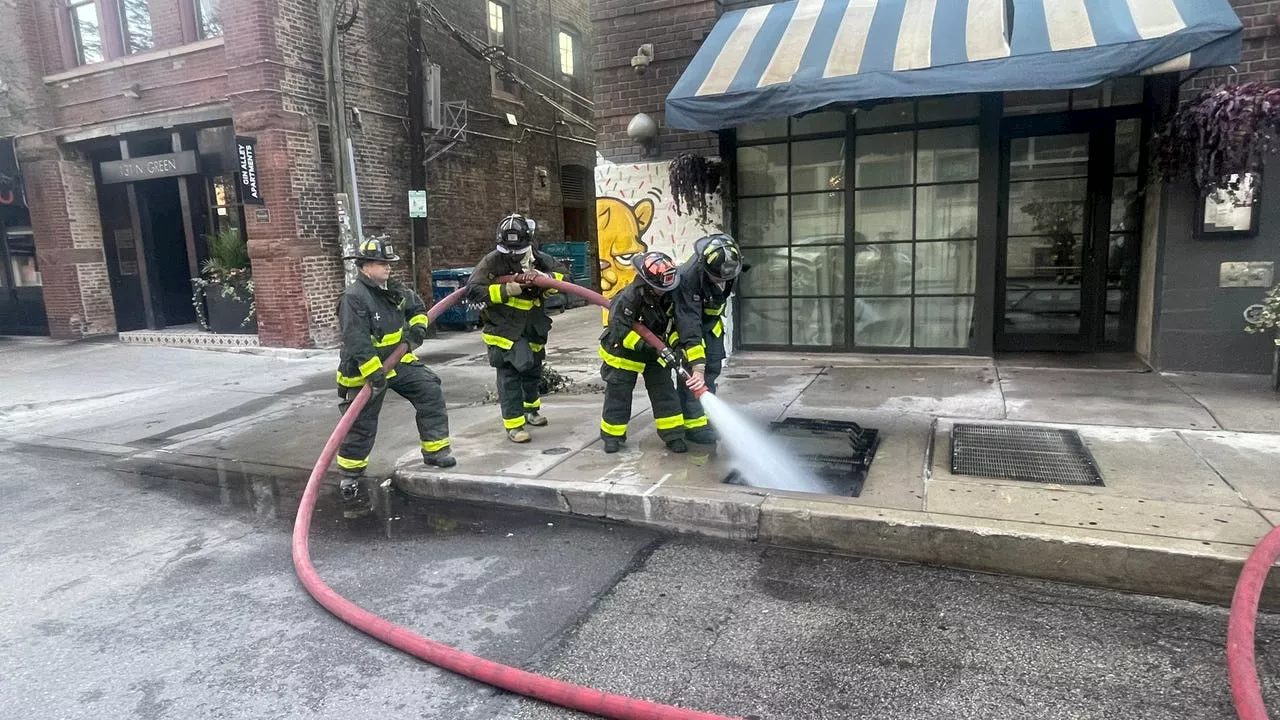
point(1228, 130)
point(695, 184)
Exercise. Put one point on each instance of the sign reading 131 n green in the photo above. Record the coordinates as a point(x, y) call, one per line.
point(417, 203)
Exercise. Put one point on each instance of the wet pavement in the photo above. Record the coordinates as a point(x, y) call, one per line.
point(134, 590)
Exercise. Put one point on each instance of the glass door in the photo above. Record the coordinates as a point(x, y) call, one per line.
point(1045, 283)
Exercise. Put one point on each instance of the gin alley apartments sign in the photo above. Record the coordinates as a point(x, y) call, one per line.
point(150, 167)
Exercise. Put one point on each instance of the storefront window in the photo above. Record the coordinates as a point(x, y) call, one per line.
point(1113, 93)
point(22, 258)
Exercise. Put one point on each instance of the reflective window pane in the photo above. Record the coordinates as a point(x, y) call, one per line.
point(1046, 207)
point(963, 107)
point(1122, 275)
point(1124, 91)
point(943, 322)
point(947, 155)
point(947, 211)
point(88, 33)
point(768, 276)
point(762, 221)
point(1042, 285)
point(882, 322)
point(882, 215)
point(817, 321)
point(817, 270)
point(765, 322)
point(817, 219)
point(762, 170)
point(763, 131)
point(1033, 102)
point(817, 165)
point(823, 122)
point(1126, 206)
point(882, 269)
point(1128, 145)
point(884, 159)
point(210, 19)
point(136, 22)
point(891, 114)
point(946, 268)
point(1049, 156)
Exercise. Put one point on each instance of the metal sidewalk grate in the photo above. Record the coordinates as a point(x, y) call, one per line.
point(1019, 452)
point(838, 453)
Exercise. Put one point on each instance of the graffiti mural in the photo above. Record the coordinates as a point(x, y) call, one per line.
point(635, 214)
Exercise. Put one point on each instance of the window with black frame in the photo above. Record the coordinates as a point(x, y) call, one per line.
point(913, 191)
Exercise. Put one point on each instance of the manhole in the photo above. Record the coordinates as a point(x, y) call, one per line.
point(555, 451)
point(836, 452)
point(1019, 452)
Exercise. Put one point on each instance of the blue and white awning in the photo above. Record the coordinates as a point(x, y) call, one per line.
point(802, 55)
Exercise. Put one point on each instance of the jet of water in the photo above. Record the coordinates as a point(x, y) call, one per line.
point(758, 457)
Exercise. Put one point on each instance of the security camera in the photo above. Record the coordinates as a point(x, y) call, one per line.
point(643, 57)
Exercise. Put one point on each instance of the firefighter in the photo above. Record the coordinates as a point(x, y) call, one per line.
point(516, 325)
point(375, 315)
point(706, 281)
point(648, 301)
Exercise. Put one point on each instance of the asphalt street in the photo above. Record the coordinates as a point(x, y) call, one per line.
point(128, 591)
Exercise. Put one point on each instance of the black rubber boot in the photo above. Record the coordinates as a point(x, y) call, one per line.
point(441, 458)
point(678, 446)
point(612, 445)
point(355, 497)
point(702, 436)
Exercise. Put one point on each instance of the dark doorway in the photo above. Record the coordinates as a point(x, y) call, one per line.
point(121, 245)
point(160, 211)
point(1069, 233)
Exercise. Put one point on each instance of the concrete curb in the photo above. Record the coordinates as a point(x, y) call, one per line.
point(1186, 569)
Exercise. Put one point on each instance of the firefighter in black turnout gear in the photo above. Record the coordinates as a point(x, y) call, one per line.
point(516, 325)
point(648, 300)
point(706, 281)
point(375, 315)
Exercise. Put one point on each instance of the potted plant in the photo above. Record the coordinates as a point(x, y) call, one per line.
point(225, 286)
point(1226, 132)
point(1267, 318)
point(695, 184)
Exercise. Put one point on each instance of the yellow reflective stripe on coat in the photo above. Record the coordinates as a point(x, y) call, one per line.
point(713, 311)
point(497, 341)
point(695, 423)
point(670, 422)
point(697, 352)
point(536, 347)
point(370, 366)
point(614, 430)
point(558, 275)
point(520, 303)
point(351, 464)
point(351, 382)
point(631, 340)
point(408, 358)
point(419, 319)
point(495, 293)
point(435, 445)
point(389, 339)
point(718, 329)
point(513, 423)
point(621, 363)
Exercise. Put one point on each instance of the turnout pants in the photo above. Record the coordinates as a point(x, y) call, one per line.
point(694, 416)
point(414, 383)
point(620, 386)
point(518, 380)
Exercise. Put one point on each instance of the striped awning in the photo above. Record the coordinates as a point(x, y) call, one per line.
point(794, 57)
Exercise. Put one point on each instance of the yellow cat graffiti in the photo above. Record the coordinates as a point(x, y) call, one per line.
point(620, 230)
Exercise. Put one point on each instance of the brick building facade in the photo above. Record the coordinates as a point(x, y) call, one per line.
point(1159, 295)
point(93, 83)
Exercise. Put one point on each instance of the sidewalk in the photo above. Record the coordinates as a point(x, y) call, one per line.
point(1191, 463)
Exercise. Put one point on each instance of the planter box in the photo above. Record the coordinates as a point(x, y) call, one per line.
point(226, 313)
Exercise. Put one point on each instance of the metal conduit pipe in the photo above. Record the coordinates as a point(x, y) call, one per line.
point(540, 687)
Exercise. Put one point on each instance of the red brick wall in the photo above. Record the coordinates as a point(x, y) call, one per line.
point(470, 188)
point(1261, 59)
point(676, 29)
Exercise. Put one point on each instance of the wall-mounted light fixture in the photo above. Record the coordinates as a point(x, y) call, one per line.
point(644, 131)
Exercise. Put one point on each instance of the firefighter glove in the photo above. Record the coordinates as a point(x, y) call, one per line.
point(378, 381)
point(417, 334)
point(512, 289)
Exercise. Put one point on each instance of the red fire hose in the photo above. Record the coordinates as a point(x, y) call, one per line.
point(1241, 668)
point(558, 692)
